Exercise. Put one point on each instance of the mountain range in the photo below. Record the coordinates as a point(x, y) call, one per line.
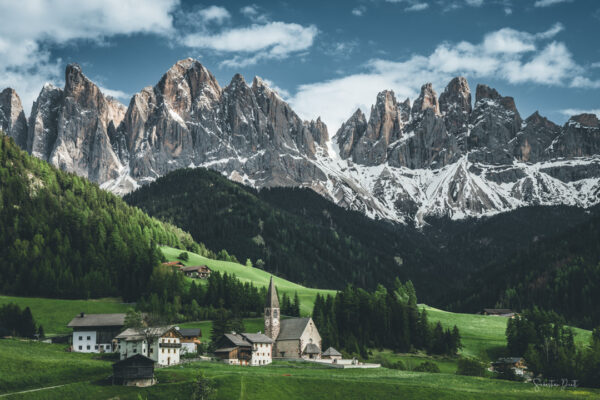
point(441, 156)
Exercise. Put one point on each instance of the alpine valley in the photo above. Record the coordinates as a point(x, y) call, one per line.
point(407, 162)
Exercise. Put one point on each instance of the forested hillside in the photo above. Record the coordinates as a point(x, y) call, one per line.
point(319, 245)
point(62, 236)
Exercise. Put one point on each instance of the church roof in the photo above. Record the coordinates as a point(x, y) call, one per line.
point(292, 328)
point(272, 299)
point(312, 348)
point(331, 352)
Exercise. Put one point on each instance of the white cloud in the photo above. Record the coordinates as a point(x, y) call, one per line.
point(213, 14)
point(284, 94)
point(548, 3)
point(474, 3)
point(29, 27)
point(514, 56)
point(595, 65)
point(273, 40)
point(507, 10)
point(585, 83)
point(576, 111)
point(359, 11)
point(253, 12)
point(417, 7)
point(117, 94)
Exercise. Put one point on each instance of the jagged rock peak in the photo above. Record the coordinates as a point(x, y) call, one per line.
point(456, 94)
point(486, 92)
point(427, 99)
point(539, 120)
point(588, 120)
point(12, 116)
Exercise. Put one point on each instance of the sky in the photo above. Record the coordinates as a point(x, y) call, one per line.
point(326, 58)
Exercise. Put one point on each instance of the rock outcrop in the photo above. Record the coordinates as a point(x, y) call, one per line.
point(439, 157)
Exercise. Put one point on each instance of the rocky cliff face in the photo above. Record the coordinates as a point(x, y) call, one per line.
point(439, 157)
point(12, 117)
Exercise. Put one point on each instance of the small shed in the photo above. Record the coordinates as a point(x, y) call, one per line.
point(137, 370)
point(331, 354)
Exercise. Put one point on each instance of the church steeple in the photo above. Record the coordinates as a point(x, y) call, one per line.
point(272, 312)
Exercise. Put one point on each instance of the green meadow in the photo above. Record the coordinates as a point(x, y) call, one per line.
point(254, 275)
point(281, 380)
point(55, 314)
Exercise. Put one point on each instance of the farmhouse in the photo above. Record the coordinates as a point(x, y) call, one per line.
point(499, 312)
point(134, 371)
point(294, 337)
point(245, 349)
point(161, 344)
point(517, 364)
point(198, 271)
point(94, 333)
point(190, 339)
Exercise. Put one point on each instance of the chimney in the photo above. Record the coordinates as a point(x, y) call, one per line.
point(81, 314)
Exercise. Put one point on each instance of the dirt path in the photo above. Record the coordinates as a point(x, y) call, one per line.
point(33, 390)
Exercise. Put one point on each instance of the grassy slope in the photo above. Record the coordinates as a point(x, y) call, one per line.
point(29, 364)
point(55, 314)
point(301, 381)
point(484, 336)
point(257, 276)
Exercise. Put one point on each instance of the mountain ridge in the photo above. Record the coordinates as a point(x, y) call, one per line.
point(442, 156)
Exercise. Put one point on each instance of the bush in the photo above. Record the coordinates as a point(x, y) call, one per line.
point(183, 256)
point(386, 363)
point(470, 367)
point(427, 366)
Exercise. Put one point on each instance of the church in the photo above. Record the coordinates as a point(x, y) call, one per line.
point(292, 337)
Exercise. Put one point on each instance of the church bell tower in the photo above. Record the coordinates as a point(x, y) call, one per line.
point(272, 313)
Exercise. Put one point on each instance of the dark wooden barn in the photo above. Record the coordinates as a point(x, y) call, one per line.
point(137, 370)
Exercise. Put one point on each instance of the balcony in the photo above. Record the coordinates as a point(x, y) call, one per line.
point(170, 345)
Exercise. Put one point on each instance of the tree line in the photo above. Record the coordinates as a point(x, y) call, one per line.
point(17, 322)
point(355, 320)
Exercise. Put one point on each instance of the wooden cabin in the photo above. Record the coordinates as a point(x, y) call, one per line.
point(134, 371)
point(196, 271)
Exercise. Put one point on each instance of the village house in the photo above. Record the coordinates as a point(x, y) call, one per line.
point(190, 339)
point(134, 371)
point(94, 333)
point(331, 354)
point(161, 344)
point(197, 271)
point(499, 312)
point(517, 364)
point(294, 337)
point(245, 349)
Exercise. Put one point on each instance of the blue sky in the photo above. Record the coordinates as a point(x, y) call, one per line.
point(325, 57)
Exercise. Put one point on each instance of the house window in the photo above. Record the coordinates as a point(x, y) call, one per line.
point(96, 347)
point(151, 350)
point(163, 351)
point(135, 350)
point(88, 346)
point(89, 338)
point(80, 337)
point(80, 347)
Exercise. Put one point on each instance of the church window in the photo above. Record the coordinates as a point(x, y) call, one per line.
point(275, 313)
point(267, 312)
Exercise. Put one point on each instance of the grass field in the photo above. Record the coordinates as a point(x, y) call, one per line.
point(55, 314)
point(484, 336)
point(287, 380)
point(257, 276)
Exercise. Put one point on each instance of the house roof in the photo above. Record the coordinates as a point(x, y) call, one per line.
point(292, 328)
point(237, 339)
point(134, 334)
point(312, 348)
point(191, 332)
point(97, 320)
point(272, 299)
point(498, 311)
point(257, 338)
point(172, 263)
point(134, 358)
point(331, 352)
point(192, 268)
point(225, 350)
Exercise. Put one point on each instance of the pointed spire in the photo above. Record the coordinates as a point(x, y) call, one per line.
point(272, 299)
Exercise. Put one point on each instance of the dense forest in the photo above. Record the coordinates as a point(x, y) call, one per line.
point(322, 245)
point(549, 349)
point(62, 236)
point(356, 320)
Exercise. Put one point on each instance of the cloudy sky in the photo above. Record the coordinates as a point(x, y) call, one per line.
point(325, 57)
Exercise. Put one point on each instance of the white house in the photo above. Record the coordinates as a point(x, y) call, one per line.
point(245, 349)
point(94, 333)
point(161, 344)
